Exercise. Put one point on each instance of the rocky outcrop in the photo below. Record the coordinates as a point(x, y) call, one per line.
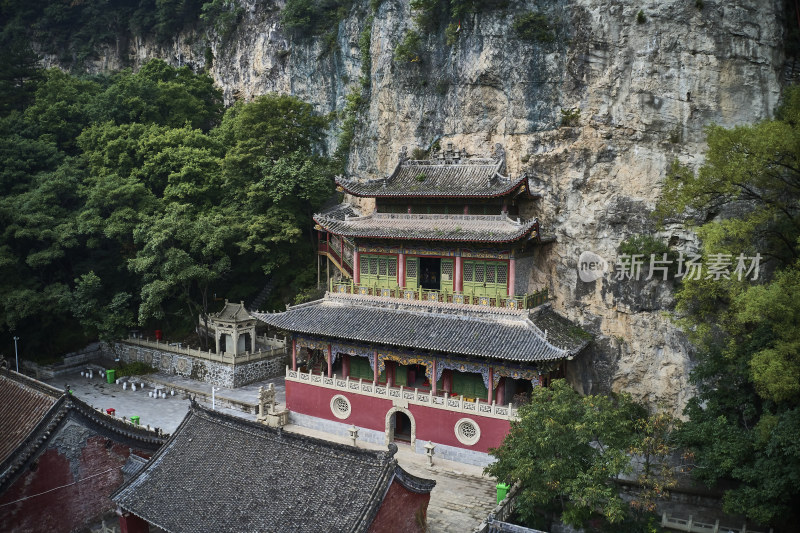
point(645, 90)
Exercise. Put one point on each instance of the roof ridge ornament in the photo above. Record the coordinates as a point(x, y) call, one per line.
point(402, 156)
point(499, 155)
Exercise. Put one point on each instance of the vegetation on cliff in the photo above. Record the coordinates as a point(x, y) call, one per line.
point(136, 198)
point(743, 423)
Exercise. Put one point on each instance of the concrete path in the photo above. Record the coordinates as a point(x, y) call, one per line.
point(462, 498)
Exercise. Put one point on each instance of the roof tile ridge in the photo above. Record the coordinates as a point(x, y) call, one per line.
point(35, 384)
point(563, 351)
point(111, 422)
point(296, 439)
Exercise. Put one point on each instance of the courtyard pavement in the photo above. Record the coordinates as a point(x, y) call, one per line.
point(462, 498)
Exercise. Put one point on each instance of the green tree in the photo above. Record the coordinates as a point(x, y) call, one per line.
point(107, 319)
point(565, 451)
point(744, 201)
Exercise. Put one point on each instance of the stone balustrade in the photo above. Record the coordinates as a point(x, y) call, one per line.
point(414, 396)
point(278, 348)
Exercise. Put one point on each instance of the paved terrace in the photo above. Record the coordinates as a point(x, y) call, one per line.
point(460, 501)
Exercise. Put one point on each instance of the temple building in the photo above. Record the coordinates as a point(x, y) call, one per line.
point(220, 473)
point(430, 331)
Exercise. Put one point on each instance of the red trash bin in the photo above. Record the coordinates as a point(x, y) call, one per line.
point(158, 335)
point(111, 411)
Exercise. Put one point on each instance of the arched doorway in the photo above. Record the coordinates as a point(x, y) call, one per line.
point(400, 426)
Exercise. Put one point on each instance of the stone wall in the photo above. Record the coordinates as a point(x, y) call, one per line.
point(212, 372)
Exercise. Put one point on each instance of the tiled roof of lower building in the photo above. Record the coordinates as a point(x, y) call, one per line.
point(23, 404)
point(432, 326)
point(463, 228)
point(39, 411)
point(220, 473)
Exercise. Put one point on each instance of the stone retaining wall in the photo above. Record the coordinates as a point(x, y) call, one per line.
point(212, 372)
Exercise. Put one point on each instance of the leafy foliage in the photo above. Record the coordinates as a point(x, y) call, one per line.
point(744, 199)
point(134, 199)
point(566, 450)
point(313, 17)
point(409, 50)
point(534, 26)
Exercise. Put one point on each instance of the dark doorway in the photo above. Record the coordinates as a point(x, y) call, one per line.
point(402, 427)
point(429, 272)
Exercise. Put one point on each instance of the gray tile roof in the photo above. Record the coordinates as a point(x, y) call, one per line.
point(220, 473)
point(450, 175)
point(469, 330)
point(462, 228)
point(339, 211)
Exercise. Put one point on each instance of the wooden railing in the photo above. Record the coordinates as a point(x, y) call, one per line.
point(336, 258)
point(525, 301)
point(414, 396)
point(690, 526)
point(209, 355)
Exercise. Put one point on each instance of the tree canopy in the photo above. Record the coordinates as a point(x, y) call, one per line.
point(132, 200)
point(567, 452)
point(745, 201)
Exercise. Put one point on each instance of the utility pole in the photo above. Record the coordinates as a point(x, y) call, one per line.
point(16, 353)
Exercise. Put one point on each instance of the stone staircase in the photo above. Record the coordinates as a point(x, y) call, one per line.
point(256, 303)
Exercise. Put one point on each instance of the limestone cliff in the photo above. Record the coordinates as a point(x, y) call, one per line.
point(645, 89)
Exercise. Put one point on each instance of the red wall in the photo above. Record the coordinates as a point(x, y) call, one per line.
point(433, 424)
point(68, 508)
point(401, 510)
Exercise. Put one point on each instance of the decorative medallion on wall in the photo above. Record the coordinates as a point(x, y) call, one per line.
point(409, 294)
point(467, 431)
point(340, 406)
point(458, 298)
point(148, 358)
point(166, 362)
point(182, 365)
point(386, 293)
point(484, 300)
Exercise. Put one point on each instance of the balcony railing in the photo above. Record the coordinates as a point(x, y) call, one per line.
point(525, 301)
point(456, 404)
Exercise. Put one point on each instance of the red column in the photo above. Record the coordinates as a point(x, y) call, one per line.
point(294, 354)
point(505, 206)
point(459, 274)
point(512, 275)
point(345, 366)
point(490, 387)
point(466, 209)
point(130, 523)
point(330, 361)
point(401, 270)
point(375, 373)
point(356, 267)
point(408, 209)
point(433, 376)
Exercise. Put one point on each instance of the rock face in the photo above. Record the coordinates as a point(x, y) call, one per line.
point(645, 90)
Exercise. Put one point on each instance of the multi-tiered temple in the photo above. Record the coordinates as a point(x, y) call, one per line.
point(431, 331)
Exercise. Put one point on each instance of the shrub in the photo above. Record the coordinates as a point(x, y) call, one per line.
point(409, 49)
point(534, 26)
point(640, 18)
point(570, 117)
point(647, 245)
point(419, 153)
point(136, 368)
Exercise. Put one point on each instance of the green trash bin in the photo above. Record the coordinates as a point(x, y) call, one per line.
point(502, 491)
point(135, 420)
point(110, 375)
